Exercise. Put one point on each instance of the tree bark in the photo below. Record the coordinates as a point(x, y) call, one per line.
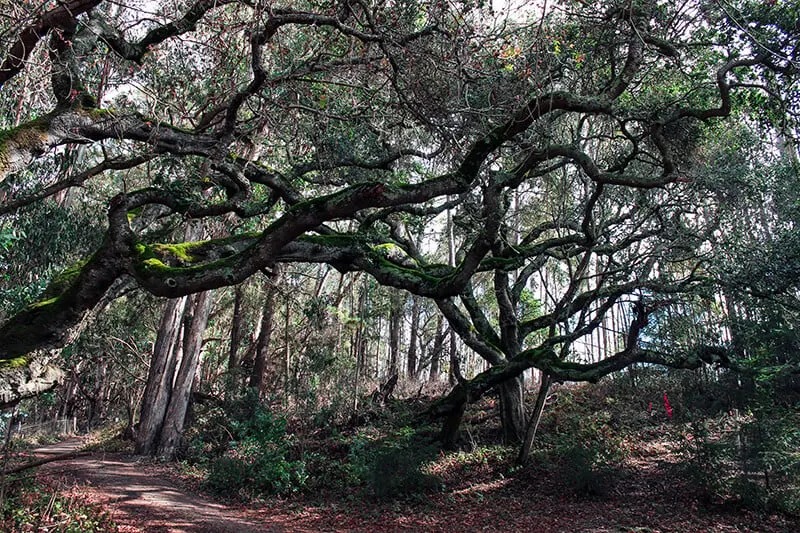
point(24, 382)
point(258, 377)
point(287, 350)
point(96, 398)
point(451, 426)
point(395, 331)
point(436, 351)
point(358, 346)
point(455, 367)
point(512, 409)
point(159, 381)
point(172, 430)
point(413, 358)
point(236, 330)
point(536, 417)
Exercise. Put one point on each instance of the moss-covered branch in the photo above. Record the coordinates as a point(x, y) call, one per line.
point(51, 321)
point(19, 145)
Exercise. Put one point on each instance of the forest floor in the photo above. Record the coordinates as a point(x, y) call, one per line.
point(647, 495)
point(137, 494)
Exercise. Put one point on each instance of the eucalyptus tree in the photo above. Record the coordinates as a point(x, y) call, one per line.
point(328, 128)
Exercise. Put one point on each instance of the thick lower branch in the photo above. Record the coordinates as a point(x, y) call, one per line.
point(472, 390)
point(26, 381)
point(51, 321)
point(545, 359)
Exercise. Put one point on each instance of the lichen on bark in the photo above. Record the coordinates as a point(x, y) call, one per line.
point(31, 378)
point(18, 145)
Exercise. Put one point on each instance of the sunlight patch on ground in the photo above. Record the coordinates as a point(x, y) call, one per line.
point(484, 487)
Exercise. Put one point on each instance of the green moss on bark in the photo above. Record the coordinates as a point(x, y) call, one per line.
point(65, 279)
point(35, 325)
point(190, 254)
point(44, 303)
point(166, 255)
point(16, 362)
point(401, 272)
point(182, 266)
point(182, 252)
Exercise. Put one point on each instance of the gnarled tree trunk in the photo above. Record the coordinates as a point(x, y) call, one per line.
point(536, 417)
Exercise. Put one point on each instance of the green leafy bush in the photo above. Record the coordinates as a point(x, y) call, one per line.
point(256, 460)
point(251, 469)
point(585, 468)
point(398, 470)
point(583, 437)
point(394, 466)
point(705, 459)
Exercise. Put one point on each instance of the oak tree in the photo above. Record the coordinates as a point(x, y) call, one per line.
point(565, 138)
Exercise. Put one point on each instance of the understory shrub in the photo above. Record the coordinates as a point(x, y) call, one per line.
point(255, 459)
point(586, 468)
point(398, 470)
point(752, 458)
point(251, 469)
point(394, 466)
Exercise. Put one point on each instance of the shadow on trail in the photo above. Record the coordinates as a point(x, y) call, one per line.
point(138, 496)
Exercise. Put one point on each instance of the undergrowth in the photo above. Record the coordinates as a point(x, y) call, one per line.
point(751, 458)
point(246, 452)
point(384, 453)
point(590, 439)
point(31, 506)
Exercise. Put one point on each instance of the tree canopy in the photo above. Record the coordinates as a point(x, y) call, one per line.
point(594, 152)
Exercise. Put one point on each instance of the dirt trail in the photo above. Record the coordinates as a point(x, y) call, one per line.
point(137, 496)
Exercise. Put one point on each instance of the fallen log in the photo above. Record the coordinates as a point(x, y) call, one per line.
point(40, 462)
